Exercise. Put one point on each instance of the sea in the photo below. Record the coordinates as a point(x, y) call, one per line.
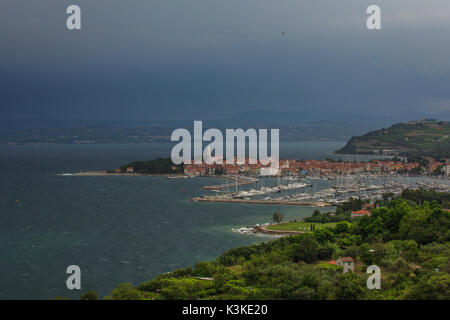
point(115, 228)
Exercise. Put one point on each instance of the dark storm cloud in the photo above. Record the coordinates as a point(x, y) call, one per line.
point(203, 59)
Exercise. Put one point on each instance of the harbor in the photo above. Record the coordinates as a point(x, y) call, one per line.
point(257, 201)
point(238, 181)
point(319, 190)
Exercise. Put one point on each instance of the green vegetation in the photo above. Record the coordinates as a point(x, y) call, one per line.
point(409, 241)
point(156, 166)
point(419, 138)
point(89, 295)
point(277, 217)
point(420, 196)
point(300, 226)
point(343, 212)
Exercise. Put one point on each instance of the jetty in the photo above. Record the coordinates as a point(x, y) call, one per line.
point(237, 181)
point(264, 230)
point(229, 185)
point(261, 201)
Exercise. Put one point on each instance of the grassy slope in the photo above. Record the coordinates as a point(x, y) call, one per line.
point(299, 226)
point(429, 136)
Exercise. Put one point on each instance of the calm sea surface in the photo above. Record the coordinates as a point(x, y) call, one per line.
point(117, 229)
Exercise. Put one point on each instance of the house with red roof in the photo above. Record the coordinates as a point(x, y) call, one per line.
point(347, 263)
point(361, 213)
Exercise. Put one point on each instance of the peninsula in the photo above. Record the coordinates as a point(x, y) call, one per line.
point(426, 137)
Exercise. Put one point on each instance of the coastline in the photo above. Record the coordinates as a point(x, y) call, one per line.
point(105, 173)
point(262, 230)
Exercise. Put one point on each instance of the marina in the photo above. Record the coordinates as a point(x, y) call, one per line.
point(277, 202)
point(237, 182)
point(321, 191)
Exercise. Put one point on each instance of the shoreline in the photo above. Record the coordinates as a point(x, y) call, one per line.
point(262, 230)
point(105, 173)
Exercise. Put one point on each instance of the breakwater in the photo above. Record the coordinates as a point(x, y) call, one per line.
point(263, 229)
point(258, 201)
point(229, 185)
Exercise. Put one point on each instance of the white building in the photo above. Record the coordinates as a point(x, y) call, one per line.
point(447, 169)
point(347, 263)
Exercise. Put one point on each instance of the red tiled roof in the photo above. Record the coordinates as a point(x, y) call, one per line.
point(347, 259)
point(361, 212)
point(332, 262)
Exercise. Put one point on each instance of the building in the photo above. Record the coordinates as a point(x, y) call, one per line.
point(347, 263)
point(377, 168)
point(360, 213)
point(130, 170)
point(447, 169)
point(367, 206)
point(294, 167)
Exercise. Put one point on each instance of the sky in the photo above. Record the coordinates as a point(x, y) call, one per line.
point(215, 59)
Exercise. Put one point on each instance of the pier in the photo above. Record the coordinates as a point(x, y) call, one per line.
point(229, 185)
point(258, 201)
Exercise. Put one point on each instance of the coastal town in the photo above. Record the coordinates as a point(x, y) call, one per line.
point(315, 183)
point(320, 183)
point(322, 167)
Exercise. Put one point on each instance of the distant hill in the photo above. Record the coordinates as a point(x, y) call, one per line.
point(126, 133)
point(415, 138)
point(88, 134)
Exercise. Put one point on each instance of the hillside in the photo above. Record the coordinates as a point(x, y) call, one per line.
point(408, 241)
point(423, 137)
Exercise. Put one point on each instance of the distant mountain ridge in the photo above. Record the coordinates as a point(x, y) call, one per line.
point(120, 133)
point(419, 138)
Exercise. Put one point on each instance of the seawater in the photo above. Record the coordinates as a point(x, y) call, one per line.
point(116, 228)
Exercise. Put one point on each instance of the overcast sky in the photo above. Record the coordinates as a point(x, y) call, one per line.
point(206, 59)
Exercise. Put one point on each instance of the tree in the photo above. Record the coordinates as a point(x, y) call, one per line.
point(348, 287)
point(342, 227)
point(423, 224)
point(125, 291)
point(388, 196)
point(432, 287)
point(304, 293)
point(307, 250)
point(277, 217)
point(89, 295)
point(324, 235)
